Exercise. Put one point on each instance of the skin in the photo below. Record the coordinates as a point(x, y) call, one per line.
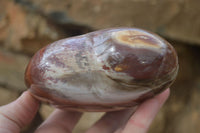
point(19, 113)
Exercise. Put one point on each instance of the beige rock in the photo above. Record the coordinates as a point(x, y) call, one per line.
point(177, 19)
point(46, 110)
point(188, 120)
point(86, 121)
point(28, 25)
point(7, 96)
point(12, 68)
point(19, 27)
point(159, 120)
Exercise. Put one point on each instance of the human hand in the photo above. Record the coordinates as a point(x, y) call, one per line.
point(18, 114)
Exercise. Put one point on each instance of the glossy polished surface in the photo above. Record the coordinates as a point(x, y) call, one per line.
point(105, 70)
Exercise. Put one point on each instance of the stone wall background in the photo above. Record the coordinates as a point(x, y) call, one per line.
point(28, 25)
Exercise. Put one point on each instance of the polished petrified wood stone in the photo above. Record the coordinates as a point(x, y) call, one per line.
point(104, 70)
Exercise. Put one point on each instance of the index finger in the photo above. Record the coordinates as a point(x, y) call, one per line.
point(145, 113)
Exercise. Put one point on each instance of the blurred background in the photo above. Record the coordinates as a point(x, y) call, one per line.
point(28, 25)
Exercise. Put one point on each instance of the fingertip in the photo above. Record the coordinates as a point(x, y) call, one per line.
point(162, 97)
point(145, 113)
point(166, 92)
point(18, 113)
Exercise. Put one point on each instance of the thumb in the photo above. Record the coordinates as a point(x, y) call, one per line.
point(19, 113)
